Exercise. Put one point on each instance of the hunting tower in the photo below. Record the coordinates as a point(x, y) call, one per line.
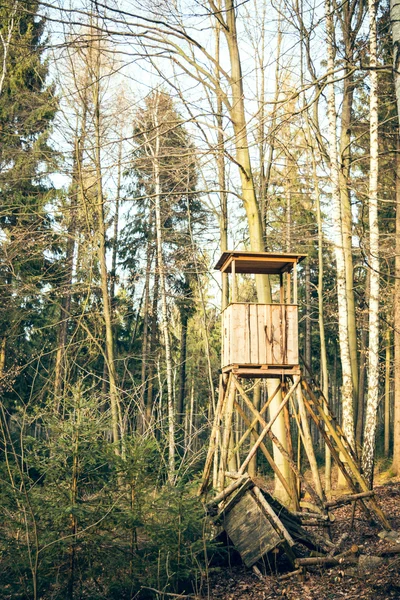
point(260, 342)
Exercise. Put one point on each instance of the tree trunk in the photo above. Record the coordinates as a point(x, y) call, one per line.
point(272, 133)
point(347, 223)
point(73, 499)
point(387, 392)
point(152, 345)
point(371, 415)
point(363, 369)
point(109, 342)
point(253, 213)
point(182, 369)
point(350, 17)
point(307, 338)
point(3, 345)
point(145, 341)
point(347, 388)
point(65, 308)
point(321, 323)
point(396, 418)
point(395, 21)
point(164, 310)
point(113, 274)
point(223, 217)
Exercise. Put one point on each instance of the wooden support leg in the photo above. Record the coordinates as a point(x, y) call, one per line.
point(308, 445)
point(227, 430)
point(338, 444)
point(293, 479)
point(223, 385)
point(292, 465)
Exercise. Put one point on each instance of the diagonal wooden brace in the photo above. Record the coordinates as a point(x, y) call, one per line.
point(266, 426)
point(251, 426)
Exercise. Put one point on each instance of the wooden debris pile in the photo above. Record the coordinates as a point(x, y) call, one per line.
point(260, 526)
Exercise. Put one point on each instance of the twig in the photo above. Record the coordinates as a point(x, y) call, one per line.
point(291, 574)
point(144, 587)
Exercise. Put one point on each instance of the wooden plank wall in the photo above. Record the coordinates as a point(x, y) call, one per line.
point(250, 530)
point(257, 334)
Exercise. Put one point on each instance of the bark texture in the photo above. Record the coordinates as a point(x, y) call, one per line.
point(395, 21)
point(347, 387)
point(371, 416)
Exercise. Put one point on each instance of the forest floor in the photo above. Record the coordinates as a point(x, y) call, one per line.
point(381, 582)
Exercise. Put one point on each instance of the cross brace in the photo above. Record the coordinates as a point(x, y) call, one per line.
point(227, 453)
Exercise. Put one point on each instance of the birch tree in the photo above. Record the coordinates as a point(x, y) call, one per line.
point(347, 388)
point(371, 416)
point(395, 21)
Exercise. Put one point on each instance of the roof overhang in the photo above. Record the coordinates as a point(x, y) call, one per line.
point(259, 263)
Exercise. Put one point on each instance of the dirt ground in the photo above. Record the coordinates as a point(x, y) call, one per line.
point(367, 582)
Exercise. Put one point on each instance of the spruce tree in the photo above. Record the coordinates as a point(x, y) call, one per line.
point(27, 109)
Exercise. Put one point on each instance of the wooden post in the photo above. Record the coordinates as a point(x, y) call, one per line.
point(227, 425)
point(295, 283)
point(339, 444)
point(223, 385)
point(308, 445)
point(233, 299)
point(293, 478)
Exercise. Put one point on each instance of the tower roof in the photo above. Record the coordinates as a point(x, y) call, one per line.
point(268, 263)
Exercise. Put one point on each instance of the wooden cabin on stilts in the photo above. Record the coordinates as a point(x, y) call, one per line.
point(260, 353)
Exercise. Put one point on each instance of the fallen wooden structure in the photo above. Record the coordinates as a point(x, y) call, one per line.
point(257, 523)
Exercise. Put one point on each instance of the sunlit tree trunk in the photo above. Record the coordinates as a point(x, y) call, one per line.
point(145, 340)
point(371, 415)
point(395, 21)
point(347, 387)
point(223, 216)
point(347, 223)
point(252, 208)
point(396, 419)
point(350, 18)
point(101, 227)
point(182, 368)
point(387, 392)
point(363, 368)
point(152, 344)
point(3, 344)
point(320, 288)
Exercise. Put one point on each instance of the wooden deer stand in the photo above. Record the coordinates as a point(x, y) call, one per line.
point(260, 341)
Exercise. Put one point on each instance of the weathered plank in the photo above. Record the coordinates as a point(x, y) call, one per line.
point(250, 530)
point(255, 334)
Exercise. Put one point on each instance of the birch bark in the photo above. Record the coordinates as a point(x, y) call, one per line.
point(371, 416)
point(395, 21)
point(387, 393)
point(347, 387)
